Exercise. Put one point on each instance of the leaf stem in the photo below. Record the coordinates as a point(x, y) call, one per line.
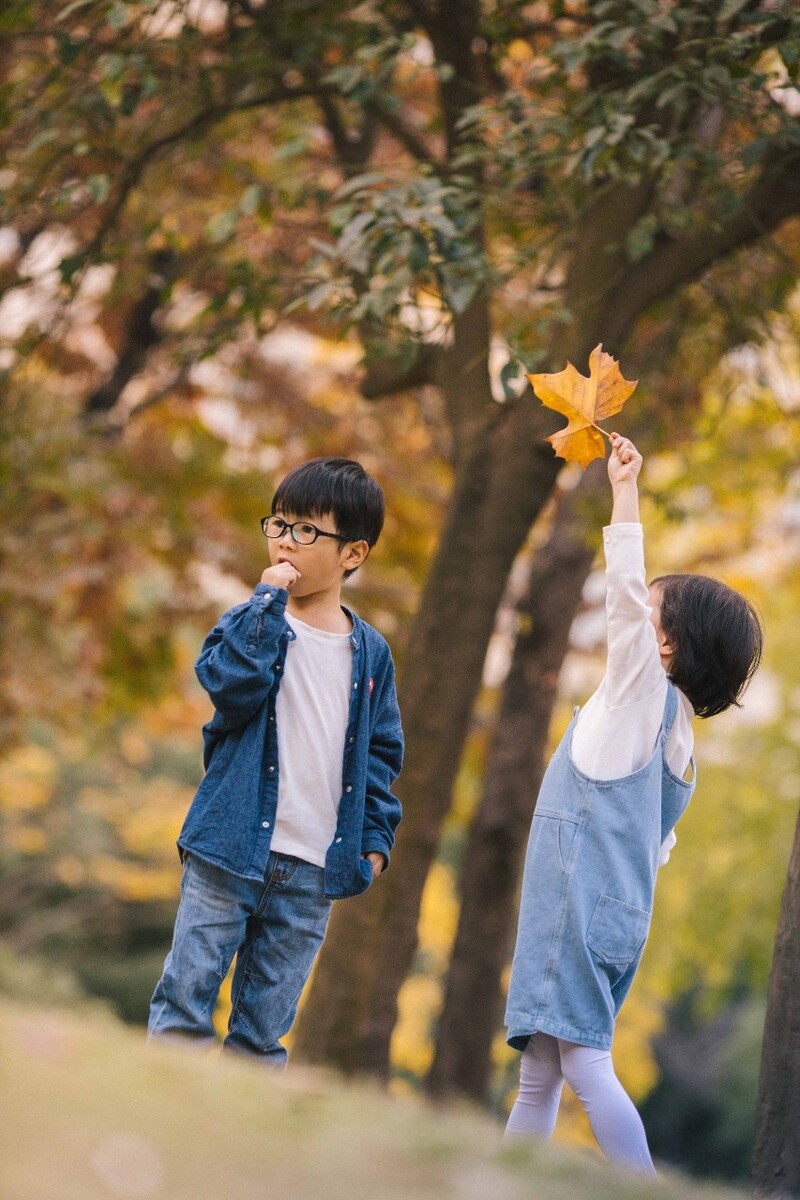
point(600, 429)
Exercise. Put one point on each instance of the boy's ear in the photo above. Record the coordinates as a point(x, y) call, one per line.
point(353, 555)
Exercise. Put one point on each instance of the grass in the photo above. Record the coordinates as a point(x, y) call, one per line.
point(92, 1113)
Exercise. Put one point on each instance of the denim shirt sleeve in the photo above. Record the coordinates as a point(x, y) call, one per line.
point(236, 664)
point(382, 810)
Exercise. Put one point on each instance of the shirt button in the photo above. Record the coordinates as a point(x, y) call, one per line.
point(265, 824)
point(338, 840)
point(272, 768)
point(348, 788)
point(355, 686)
point(352, 740)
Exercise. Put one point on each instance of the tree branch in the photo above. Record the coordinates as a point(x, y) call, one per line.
point(199, 123)
point(387, 376)
point(407, 137)
point(142, 335)
point(772, 199)
point(353, 151)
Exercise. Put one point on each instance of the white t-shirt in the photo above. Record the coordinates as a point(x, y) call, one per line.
point(311, 715)
point(617, 729)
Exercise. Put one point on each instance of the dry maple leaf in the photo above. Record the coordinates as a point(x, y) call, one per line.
point(584, 401)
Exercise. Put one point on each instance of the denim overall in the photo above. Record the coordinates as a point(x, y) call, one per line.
point(587, 892)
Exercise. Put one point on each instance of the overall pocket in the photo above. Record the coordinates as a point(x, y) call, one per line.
point(617, 931)
point(552, 832)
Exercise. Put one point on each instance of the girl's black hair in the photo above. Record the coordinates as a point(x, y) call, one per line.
point(716, 637)
point(338, 486)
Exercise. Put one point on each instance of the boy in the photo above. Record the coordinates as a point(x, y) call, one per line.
point(295, 808)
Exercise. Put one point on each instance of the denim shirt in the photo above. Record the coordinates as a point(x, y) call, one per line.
point(232, 816)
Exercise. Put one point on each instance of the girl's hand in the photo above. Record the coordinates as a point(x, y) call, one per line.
point(624, 462)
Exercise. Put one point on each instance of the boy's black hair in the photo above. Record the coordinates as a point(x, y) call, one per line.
point(338, 486)
point(716, 637)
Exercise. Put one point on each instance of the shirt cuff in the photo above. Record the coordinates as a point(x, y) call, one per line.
point(623, 529)
point(666, 848)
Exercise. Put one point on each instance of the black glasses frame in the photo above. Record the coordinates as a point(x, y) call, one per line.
point(291, 525)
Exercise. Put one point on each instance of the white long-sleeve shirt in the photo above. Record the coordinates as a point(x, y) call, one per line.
point(617, 729)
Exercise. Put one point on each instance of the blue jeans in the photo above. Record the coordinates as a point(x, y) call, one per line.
point(275, 928)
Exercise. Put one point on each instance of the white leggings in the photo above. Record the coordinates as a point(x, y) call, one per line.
point(546, 1063)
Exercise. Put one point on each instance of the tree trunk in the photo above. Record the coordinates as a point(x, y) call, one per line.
point(777, 1150)
point(504, 475)
point(496, 844)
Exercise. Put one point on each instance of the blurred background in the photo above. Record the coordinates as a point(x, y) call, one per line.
point(235, 235)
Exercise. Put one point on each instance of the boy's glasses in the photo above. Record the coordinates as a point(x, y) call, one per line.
point(303, 532)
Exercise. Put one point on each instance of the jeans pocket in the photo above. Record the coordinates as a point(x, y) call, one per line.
point(617, 931)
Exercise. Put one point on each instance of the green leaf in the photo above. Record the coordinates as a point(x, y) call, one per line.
point(251, 199)
point(118, 16)
point(756, 150)
point(99, 187)
point(222, 226)
point(41, 139)
point(71, 8)
point(508, 374)
point(113, 66)
point(68, 266)
point(730, 8)
point(318, 296)
point(360, 183)
point(641, 239)
point(69, 48)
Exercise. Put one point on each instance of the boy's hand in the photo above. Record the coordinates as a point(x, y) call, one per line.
point(624, 462)
point(282, 575)
point(378, 861)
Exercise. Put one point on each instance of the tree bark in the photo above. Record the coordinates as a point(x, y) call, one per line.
point(776, 1167)
point(497, 838)
point(504, 475)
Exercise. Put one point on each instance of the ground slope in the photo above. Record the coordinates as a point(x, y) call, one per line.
point(88, 1112)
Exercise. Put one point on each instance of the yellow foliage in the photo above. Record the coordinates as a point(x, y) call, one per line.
point(222, 1010)
point(133, 881)
point(438, 914)
point(519, 51)
point(26, 778)
point(135, 748)
point(640, 1021)
point(26, 839)
point(103, 803)
point(419, 1004)
point(151, 828)
point(70, 871)
point(502, 1053)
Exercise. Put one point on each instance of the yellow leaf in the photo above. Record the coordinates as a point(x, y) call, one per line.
point(519, 50)
point(584, 401)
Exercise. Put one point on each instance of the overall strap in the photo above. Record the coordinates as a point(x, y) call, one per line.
point(670, 709)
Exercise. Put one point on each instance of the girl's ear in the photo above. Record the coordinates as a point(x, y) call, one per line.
point(666, 648)
point(353, 555)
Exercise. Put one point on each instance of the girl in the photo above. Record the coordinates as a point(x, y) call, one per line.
point(622, 776)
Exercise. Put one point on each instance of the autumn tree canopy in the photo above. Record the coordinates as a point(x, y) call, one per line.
point(473, 190)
